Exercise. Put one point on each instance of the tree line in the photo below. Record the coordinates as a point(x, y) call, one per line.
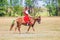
point(15, 9)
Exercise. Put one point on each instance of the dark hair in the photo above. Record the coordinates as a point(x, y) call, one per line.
point(25, 7)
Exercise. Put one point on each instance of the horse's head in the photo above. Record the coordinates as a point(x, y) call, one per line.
point(38, 19)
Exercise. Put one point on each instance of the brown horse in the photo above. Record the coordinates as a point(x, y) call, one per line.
point(20, 22)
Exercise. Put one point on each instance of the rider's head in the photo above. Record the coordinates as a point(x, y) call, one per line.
point(26, 8)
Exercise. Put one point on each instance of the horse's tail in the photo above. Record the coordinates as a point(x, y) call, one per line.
point(12, 25)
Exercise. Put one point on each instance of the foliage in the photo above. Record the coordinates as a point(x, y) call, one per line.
point(28, 2)
point(16, 10)
point(3, 2)
point(2, 11)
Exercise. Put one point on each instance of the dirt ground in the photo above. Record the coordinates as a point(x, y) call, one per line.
point(49, 29)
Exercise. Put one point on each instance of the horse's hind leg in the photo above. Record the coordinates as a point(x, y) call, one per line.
point(15, 28)
point(18, 26)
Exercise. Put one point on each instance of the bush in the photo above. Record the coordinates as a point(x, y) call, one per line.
point(2, 14)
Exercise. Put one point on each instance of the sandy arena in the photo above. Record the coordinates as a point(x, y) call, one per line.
point(49, 29)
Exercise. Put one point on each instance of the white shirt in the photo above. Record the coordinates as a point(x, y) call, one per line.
point(26, 12)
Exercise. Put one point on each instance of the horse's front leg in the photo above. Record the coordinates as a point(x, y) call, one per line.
point(33, 28)
point(28, 28)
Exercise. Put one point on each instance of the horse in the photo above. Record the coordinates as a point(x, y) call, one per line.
point(20, 21)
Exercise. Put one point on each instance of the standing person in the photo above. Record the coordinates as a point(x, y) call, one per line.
point(26, 16)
